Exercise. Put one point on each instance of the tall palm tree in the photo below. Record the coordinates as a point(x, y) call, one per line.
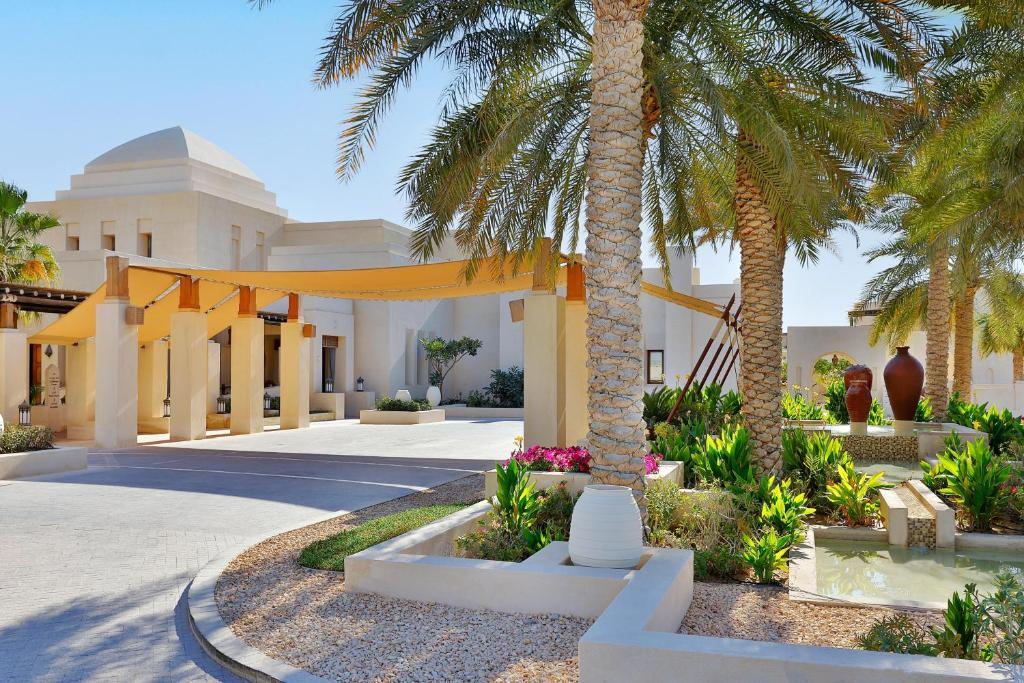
point(992, 338)
point(22, 257)
point(756, 128)
point(617, 435)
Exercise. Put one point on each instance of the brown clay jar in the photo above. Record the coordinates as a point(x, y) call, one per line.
point(858, 400)
point(904, 380)
point(858, 372)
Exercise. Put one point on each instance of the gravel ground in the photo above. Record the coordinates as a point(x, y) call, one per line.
point(750, 612)
point(304, 617)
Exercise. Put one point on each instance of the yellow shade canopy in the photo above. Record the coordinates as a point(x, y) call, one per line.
point(155, 290)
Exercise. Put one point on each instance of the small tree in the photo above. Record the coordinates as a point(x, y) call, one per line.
point(443, 354)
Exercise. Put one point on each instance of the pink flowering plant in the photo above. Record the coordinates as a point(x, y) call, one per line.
point(568, 459)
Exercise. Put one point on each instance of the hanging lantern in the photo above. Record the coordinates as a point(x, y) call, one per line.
point(359, 384)
point(167, 407)
point(24, 414)
point(49, 351)
point(268, 403)
point(222, 405)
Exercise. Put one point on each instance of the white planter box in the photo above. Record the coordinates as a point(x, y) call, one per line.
point(462, 411)
point(36, 463)
point(576, 481)
point(400, 417)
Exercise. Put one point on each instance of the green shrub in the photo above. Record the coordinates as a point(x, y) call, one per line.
point(504, 391)
point(18, 439)
point(855, 495)
point(973, 479)
point(814, 461)
point(897, 633)
point(658, 404)
point(1003, 429)
point(835, 403)
point(330, 553)
point(924, 412)
point(796, 407)
point(677, 443)
point(726, 459)
point(523, 520)
point(765, 554)
point(988, 628)
point(387, 403)
point(784, 510)
point(876, 414)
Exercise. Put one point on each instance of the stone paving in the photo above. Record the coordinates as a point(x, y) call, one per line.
point(93, 564)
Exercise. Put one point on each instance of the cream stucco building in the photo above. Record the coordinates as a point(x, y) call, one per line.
point(172, 198)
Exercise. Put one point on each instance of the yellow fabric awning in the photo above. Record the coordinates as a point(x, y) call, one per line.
point(218, 292)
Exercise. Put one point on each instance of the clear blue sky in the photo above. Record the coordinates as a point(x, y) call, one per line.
point(82, 77)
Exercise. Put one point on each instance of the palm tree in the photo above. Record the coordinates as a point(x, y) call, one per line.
point(617, 436)
point(22, 257)
point(1001, 329)
point(756, 128)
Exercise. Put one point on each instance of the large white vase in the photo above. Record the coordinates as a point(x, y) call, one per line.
point(433, 396)
point(403, 395)
point(606, 530)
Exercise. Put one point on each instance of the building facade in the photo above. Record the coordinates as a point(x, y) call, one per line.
point(172, 198)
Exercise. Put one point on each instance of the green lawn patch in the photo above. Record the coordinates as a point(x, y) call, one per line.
point(330, 553)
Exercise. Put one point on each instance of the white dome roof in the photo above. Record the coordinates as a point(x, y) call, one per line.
point(169, 161)
point(170, 144)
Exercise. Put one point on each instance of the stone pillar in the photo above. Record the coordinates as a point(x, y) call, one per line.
point(117, 361)
point(212, 376)
point(189, 365)
point(152, 379)
point(77, 385)
point(577, 415)
point(13, 364)
point(543, 360)
point(294, 368)
point(247, 367)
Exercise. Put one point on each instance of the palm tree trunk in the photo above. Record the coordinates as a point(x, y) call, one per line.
point(963, 344)
point(616, 438)
point(1018, 364)
point(936, 384)
point(762, 256)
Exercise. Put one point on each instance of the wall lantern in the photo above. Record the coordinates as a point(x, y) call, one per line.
point(167, 407)
point(222, 405)
point(359, 384)
point(329, 385)
point(24, 414)
point(268, 403)
point(48, 351)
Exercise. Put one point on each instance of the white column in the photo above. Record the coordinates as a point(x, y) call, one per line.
point(577, 378)
point(77, 386)
point(212, 376)
point(13, 372)
point(294, 376)
point(543, 367)
point(294, 368)
point(188, 375)
point(152, 379)
point(117, 374)
point(247, 376)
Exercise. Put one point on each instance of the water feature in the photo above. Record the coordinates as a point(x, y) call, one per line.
point(878, 573)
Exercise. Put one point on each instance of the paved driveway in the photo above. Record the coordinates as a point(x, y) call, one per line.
point(93, 564)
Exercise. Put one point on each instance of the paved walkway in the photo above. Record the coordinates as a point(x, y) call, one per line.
point(93, 564)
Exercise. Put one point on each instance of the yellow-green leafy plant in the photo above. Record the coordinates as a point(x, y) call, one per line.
point(973, 479)
point(766, 554)
point(855, 495)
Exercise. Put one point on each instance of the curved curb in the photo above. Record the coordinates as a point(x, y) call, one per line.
point(220, 642)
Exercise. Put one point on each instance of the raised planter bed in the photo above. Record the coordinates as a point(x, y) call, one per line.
point(400, 417)
point(458, 410)
point(576, 481)
point(48, 461)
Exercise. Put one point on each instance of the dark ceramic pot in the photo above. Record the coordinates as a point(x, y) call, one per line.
point(904, 379)
point(855, 372)
point(858, 400)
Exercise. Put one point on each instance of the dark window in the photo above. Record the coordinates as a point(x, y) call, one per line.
point(655, 366)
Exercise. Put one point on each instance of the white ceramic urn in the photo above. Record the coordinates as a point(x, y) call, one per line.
point(403, 395)
point(606, 530)
point(433, 396)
